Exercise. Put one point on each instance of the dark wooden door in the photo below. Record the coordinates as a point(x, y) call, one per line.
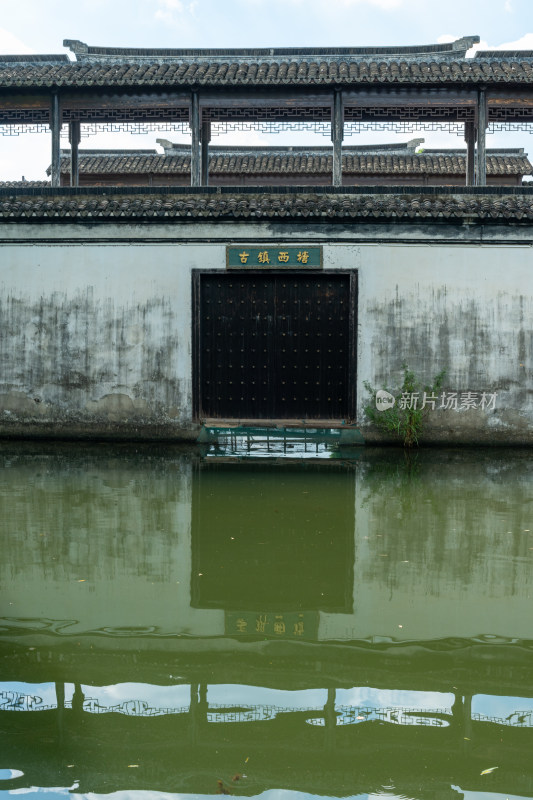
point(275, 346)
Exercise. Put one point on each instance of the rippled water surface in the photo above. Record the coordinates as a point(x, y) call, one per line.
point(181, 623)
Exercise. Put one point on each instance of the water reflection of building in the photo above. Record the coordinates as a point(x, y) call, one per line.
point(206, 550)
point(298, 748)
point(108, 622)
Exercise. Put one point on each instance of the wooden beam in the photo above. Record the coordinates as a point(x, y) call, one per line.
point(470, 139)
point(337, 135)
point(410, 95)
point(196, 161)
point(482, 122)
point(74, 136)
point(206, 138)
point(246, 97)
point(55, 125)
point(157, 98)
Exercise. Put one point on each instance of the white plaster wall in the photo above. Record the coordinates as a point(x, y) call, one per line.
point(466, 309)
point(124, 310)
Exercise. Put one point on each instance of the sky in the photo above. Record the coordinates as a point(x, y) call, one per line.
point(39, 26)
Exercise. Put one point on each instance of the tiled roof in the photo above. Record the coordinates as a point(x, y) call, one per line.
point(24, 184)
point(233, 72)
point(384, 159)
point(115, 67)
point(64, 205)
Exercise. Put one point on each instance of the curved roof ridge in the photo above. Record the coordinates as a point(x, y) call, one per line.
point(405, 148)
point(504, 55)
point(35, 58)
point(85, 52)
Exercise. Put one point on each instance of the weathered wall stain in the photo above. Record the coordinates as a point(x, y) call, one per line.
point(482, 347)
point(81, 356)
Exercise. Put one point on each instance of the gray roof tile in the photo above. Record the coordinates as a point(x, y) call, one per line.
point(421, 204)
point(116, 67)
point(297, 161)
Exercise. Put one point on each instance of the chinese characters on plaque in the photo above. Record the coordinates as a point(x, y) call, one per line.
point(275, 625)
point(279, 257)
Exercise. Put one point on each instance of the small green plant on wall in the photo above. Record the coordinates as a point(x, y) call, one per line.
point(403, 413)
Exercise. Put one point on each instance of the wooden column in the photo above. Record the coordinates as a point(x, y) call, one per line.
point(60, 698)
point(55, 125)
point(470, 139)
point(196, 160)
point(337, 135)
point(482, 122)
point(206, 138)
point(468, 716)
point(74, 136)
point(330, 718)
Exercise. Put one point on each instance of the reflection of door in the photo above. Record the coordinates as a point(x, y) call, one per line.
point(276, 346)
point(273, 537)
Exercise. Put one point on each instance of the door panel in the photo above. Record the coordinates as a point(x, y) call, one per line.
point(274, 346)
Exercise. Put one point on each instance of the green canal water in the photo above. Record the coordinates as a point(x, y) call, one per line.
point(287, 622)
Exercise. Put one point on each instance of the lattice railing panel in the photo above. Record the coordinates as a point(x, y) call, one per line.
point(18, 130)
point(356, 127)
point(510, 114)
point(271, 127)
point(269, 114)
point(126, 115)
point(420, 113)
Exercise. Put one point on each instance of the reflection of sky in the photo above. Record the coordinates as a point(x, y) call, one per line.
point(235, 694)
point(178, 697)
point(502, 707)
point(45, 691)
point(156, 696)
point(34, 793)
point(488, 795)
point(385, 698)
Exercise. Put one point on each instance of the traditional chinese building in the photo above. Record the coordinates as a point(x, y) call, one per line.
point(172, 311)
point(373, 165)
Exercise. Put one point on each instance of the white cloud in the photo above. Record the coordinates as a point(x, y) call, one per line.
point(11, 44)
point(524, 43)
point(508, 6)
point(169, 10)
point(385, 4)
point(335, 5)
point(172, 5)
